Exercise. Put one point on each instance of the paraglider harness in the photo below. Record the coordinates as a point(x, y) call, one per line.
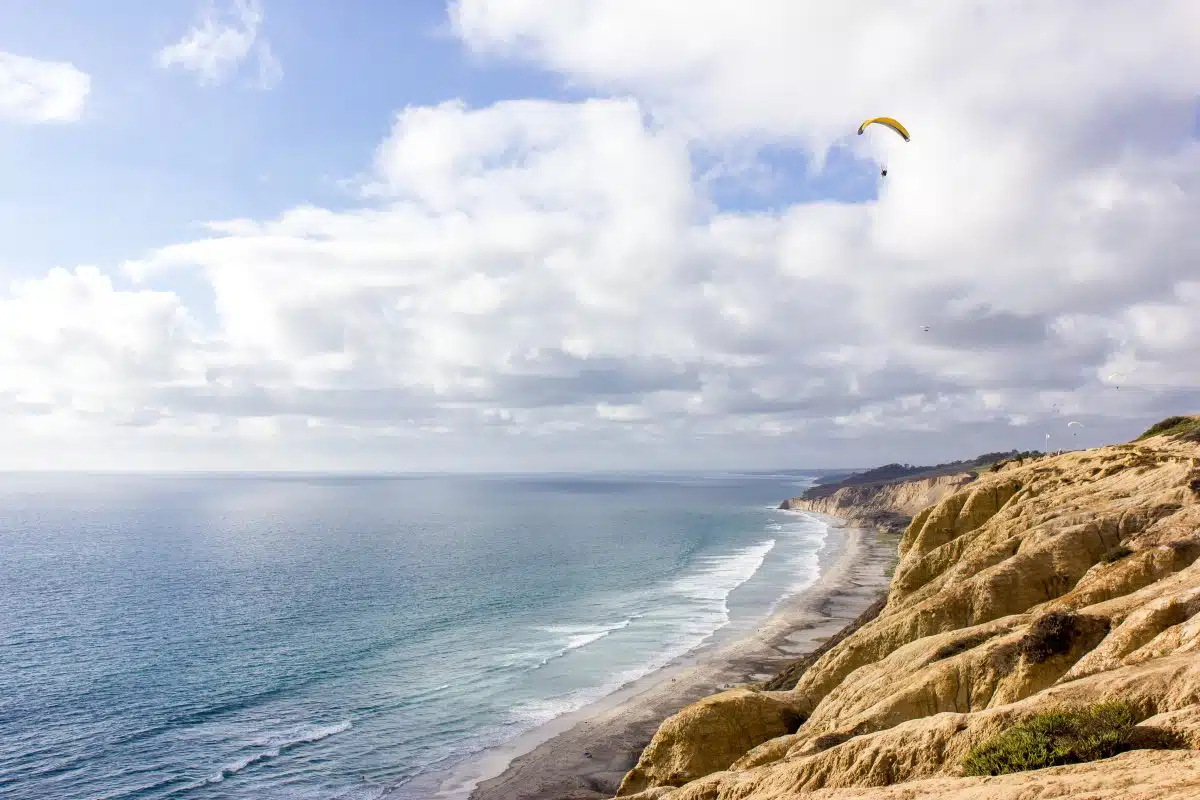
point(887, 122)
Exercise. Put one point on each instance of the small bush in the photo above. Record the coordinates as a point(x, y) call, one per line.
point(1054, 634)
point(1062, 736)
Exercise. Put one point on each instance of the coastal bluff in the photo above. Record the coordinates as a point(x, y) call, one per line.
point(887, 506)
point(1039, 599)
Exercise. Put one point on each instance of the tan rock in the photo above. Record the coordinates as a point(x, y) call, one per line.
point(1141, 775)
point(1068, 579)
point(1182, 722)
point(870, 504)
point(709, 736)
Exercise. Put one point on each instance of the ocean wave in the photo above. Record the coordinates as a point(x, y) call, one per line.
point(275, 745)
point(710, 585)
point(566, 639)
point(718, 576)
point(580, 636)
point(812, 535)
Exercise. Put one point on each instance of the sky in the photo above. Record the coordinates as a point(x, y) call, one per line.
point(527, 235)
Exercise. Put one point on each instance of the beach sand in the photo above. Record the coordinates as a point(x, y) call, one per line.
point(550, 763)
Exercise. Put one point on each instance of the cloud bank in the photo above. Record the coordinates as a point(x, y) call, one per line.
point(36, 91)
point(218, 44)
point(540, 284)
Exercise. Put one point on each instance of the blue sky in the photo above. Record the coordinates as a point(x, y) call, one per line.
point(155, 152)
point(618, 251)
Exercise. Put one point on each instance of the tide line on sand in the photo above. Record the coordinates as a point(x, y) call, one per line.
point(588, 752)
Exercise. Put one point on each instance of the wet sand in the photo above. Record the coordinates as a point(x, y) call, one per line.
point(553, 763)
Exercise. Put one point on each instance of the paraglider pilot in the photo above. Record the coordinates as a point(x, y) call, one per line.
point(886, 122)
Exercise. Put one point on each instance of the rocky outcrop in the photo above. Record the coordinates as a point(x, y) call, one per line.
point(731, 722)
point(1065, 580)
point(887, 506)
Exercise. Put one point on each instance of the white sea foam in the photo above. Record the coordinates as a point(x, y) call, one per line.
point(578, 636)
point(684, 627)
point(563, 640)
point(810, 535)
point(718, 576)
point(680, 616)
point(274, 744)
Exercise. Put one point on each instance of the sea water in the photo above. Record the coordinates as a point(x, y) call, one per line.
point(309, 636)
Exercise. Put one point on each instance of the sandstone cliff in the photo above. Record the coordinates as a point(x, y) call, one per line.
point(890, 506)
point(1049, 583)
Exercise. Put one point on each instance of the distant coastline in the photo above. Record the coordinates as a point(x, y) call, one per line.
point(586, 754)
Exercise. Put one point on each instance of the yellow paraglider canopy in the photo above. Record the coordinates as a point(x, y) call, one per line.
point(887, 122)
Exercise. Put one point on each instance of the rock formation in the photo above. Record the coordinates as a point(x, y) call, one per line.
point(1065, 580)
point(889, 506)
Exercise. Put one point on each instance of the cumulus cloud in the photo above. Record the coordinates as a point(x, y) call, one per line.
point(538, 283)
point(219, 43)
point(35, 91)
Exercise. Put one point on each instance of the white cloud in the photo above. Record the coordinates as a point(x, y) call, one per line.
point(270, 71)
point(539, 283)
point(32, 90)
point(217, 45)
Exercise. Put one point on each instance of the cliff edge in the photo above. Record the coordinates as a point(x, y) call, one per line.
point(1041, 638)
point(887, 506)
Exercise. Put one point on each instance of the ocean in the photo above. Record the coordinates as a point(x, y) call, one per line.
point(325, 636)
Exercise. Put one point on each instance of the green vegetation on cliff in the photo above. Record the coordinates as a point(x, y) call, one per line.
point(1054, 738)
point(896, 472)
point(1186, 428)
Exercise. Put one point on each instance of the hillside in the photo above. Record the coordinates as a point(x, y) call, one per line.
point(871, 499)
point(887, 506)
point(890, 473)
point(1042, 627)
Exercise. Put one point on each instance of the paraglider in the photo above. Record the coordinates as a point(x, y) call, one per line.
point(886, 122)
point(1073, 422)
point(1116, 376)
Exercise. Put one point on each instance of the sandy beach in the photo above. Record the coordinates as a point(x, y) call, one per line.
point(586, 754)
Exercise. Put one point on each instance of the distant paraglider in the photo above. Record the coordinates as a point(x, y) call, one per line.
point(886, 122)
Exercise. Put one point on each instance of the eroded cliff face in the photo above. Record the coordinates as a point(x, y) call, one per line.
point(888, 506)
point(1068, 579)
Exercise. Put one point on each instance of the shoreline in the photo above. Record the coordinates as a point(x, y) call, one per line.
point(549, 763)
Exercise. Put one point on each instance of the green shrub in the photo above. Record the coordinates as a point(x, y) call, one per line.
point(1182, 427)
point(1053, 738)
